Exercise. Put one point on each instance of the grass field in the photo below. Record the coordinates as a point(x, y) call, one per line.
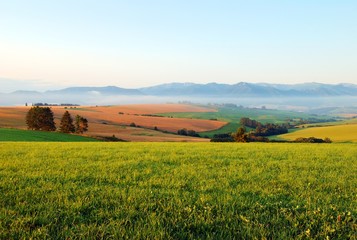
point(16, 135)
point(228, 128)
point(233, 116)
point(341, 122)
point(337, 133)
point(178, 191)
point(230, 114)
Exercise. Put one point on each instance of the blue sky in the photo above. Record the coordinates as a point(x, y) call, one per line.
point(134, 43)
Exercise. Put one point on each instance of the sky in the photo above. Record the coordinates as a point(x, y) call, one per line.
point(137, 43)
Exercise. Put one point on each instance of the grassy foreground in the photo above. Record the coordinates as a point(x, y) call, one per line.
point(177, 190)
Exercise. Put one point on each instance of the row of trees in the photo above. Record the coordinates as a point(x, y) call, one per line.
point(67, 126)
point(42, 118)
point(258, 134)
point(244, 121)
point(185, 132)
point(313, 140)
point(242, 136)
point(270, 129)
point(264, 130)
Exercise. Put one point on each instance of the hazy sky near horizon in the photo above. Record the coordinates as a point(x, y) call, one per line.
point(137, 43)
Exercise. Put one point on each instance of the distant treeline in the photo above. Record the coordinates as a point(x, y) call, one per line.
point(312, 140)
point(185, 132)
point(260, 133)
point(264, 130)
point(53, 104)
point(241, 136)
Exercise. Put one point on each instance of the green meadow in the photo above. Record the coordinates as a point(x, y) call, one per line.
point(232, 115)
point(178, 191)
point(17, 135)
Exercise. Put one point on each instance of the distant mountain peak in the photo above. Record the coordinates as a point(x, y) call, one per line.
point(107, 90)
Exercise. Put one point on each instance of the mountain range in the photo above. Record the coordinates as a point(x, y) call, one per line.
point(279, 96)
point(241, 89)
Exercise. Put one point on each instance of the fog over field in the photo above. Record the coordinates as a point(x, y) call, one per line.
point(283, 103)
point(298, 97)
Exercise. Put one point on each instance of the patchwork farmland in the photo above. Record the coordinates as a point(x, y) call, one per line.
point(117, 120)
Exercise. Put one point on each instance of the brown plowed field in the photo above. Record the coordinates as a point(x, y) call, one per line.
point(153, 108)
point(106, 121)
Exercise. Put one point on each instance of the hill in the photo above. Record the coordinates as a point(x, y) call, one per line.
point(17, 135)
point(127, 122)
point(204, 93)
point(108, 90)
point(157, 122)
point(337, 133)
point(244, 89)
point(233, 114)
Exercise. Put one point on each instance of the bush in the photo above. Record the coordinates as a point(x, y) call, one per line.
point(185, 132)
point(312, 140)
point(112, 139)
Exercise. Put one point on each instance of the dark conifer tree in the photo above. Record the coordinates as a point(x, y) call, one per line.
point(66, 125)
point(81, 124)
point(48, 123)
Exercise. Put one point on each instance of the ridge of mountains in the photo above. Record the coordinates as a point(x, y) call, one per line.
point(242, 89)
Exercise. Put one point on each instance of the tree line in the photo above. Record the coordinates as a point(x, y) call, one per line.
point(264, 130)
point(42, 119)
point(185, 132)
point(260, 132)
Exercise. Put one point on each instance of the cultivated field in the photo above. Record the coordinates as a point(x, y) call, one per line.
point(337, 133)
point(114, 120)
point(178, 191)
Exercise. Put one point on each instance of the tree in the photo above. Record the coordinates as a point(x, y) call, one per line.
point(185, 132)
point(248, 122)
point(182, 131)
point(81, 124)
point(240, 135)
point(40, 118)
point(264, 130)
point(32, 119)
point(66, 125)
point(192, 133)
point(48, 120)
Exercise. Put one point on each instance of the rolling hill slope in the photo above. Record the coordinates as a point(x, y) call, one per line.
point(337, 133)
point(17, 135)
